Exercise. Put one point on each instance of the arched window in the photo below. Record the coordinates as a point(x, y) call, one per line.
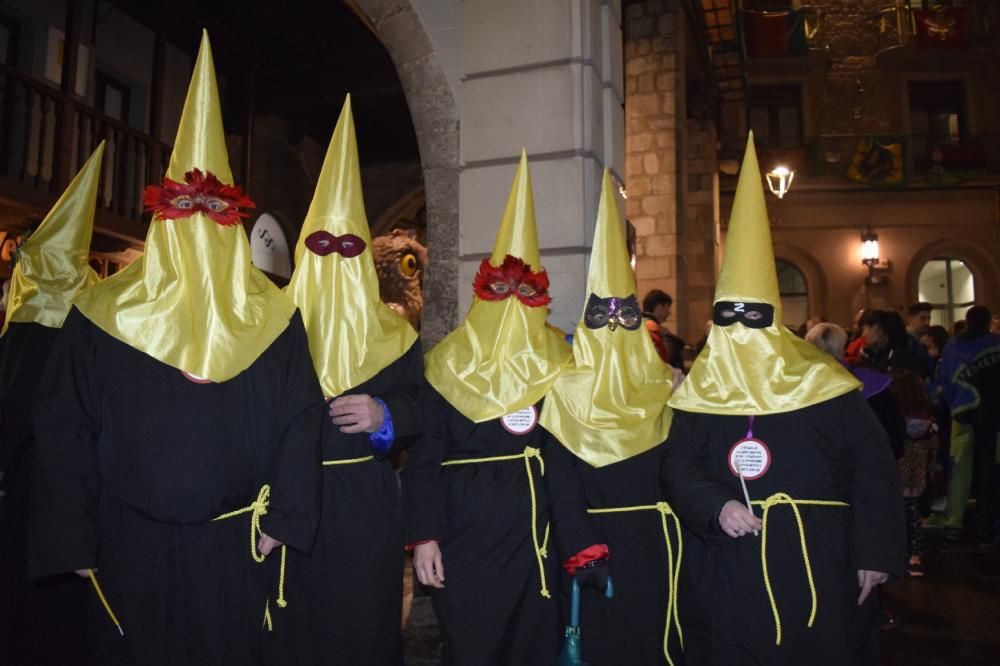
point(949, 286)
point(794, 294)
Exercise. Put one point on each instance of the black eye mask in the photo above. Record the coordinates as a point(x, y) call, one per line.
point(751, 315)
point(613, 312)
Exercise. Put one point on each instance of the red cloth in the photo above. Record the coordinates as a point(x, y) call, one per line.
point(588, 554)
point(852, 355)
point(661, 347)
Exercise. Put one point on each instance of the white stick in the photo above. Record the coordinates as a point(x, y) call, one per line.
point(743, 483)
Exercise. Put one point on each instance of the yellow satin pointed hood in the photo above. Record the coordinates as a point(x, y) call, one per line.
point(503, 357)
point(194, 300)
point(52, 266)
point(611, 403)
point(352, 333)
point(748, 371)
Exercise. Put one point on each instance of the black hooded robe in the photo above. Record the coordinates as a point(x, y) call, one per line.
point(38, 620)
point(490, 611)
point(134, 462)
point(835, 450)
point(345, 599)
point(628, 628)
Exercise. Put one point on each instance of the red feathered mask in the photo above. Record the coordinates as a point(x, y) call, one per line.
point(512, 278)
point(198, 193)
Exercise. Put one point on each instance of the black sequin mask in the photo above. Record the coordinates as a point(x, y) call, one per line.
point(613, 312)
point(751, 315)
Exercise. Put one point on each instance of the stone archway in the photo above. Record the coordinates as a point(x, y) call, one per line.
point(435, 120)
point(813, 273)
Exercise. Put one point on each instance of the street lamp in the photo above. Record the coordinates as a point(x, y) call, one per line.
point(779, 180)
point(869, 249)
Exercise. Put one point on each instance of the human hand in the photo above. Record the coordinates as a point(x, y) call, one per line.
point(266, 544)
point(356, 413)
point(428, 564)
point(867, 580)
point(736, 521)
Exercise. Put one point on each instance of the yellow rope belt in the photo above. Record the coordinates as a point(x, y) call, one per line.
point(673, 568)
point(528, 453)
point(104, 601)
point(257, 509)
point(772, 501)
point(348, 461)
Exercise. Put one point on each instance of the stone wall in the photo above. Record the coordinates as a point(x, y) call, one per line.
point(654, 111)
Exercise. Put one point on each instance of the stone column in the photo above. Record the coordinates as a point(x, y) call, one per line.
point(545, 76)
point(654, 114)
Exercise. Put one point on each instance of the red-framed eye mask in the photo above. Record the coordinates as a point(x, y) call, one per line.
point(324, 243)
point(199, 192)
point(512, 278)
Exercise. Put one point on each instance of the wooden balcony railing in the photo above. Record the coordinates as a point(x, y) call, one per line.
point(40, 152)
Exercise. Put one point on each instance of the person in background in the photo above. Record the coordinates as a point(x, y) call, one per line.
point(856, 343)
point(958, 327)
point(39, 621)
point(918, 452)
point(918, 320)
point(934, 340)
point(656, 307)
point(967, 381)
point(887, 345)
point(995, 324)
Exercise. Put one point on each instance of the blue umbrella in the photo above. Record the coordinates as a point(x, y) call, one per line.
point(572, 651)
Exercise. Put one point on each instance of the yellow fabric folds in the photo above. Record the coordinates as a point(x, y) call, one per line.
point(611, 403)
point(352, 333)
point(756, 371)
point(194, 300)
point(503, 357)
point(52, 263)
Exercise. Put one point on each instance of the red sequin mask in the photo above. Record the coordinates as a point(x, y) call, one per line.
point(512, 278)
point(199, 193)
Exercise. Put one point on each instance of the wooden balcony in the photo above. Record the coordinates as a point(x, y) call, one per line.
point(46, 136)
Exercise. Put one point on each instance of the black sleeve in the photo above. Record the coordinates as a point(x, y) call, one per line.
point(66, 481)
point(692, 493)
point(425, 487)
point(401, 400)
point(878, 534)
point(574, 531)
point(296, 475)
point(890, 416)
point(24, 348)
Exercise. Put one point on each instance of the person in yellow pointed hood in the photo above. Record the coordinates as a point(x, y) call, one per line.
point(50, 269)
point(609, 411)
point(768, 428)
point(611, 402)
point(503, 357)
point(473, 491)
point(194, 300)
point(179, 414)
point(370, 364)
point(752, 364)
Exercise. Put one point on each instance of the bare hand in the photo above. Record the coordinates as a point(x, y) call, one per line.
point(736, 521)
point(356, 413)
point(266, 544)
point(867, 580)
point(428, 564)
